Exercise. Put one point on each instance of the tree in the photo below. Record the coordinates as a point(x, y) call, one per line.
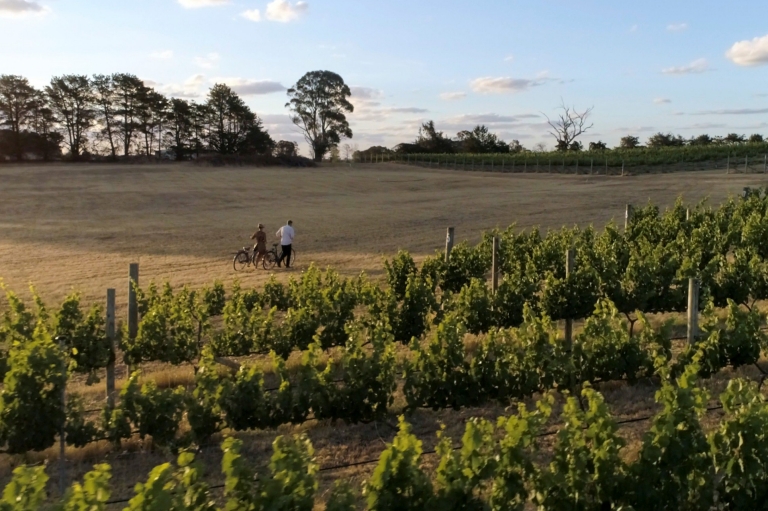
point(335, 154)
point(180, 126)
point(734, 138)
point(319, 101)
point(480, 140)
point(665, 140)
point(43, 122)
point(701, 140)
point(287, 149)
point(629, 142)
point(432, 141)
point(756, 138)
point(71, 99)
point(349, 150)
point(234, 128)
point(105, 98)
point(152, 111)
point(575, 146)
point(17, 101)
point(598, 146)
point(516, 147)
point(130, 92)
point(568, 126)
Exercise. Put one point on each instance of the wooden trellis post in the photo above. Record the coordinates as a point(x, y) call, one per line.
point(693, 310)
point(570, 264)
point(449, 243)
point(495, 266)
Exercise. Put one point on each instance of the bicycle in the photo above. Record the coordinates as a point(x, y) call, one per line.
point(271, 257)
point(244, 258)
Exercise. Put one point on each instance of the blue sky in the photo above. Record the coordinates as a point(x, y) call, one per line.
point(681, 66)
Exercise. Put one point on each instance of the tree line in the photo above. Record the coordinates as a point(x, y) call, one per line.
point(481, 140)
point(119, 115)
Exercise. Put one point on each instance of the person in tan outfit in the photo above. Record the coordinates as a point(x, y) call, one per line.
point(260, 248)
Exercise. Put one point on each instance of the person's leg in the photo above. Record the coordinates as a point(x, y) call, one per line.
point(286, 255)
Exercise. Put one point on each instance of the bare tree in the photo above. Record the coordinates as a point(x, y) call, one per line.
point(347, 151)
point(569, 125)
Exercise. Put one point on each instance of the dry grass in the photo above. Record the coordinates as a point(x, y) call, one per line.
point(79, 226)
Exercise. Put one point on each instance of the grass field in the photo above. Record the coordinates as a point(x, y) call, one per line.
point(65, 226)
point(81, 225)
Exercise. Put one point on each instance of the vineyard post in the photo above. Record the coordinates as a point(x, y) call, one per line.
point(133, 306)
point(449, 243)
point(570, 260)
point(495, 266)
point(627, 216)
point(693, 310)
point(687, 214)
point(111, 339)
point(622, 167)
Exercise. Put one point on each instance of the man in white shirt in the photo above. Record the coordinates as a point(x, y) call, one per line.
point(286, 234)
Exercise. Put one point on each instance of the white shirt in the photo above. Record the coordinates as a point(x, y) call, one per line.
point(286, 235)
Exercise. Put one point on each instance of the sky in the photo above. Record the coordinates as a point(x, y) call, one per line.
point(681, 66)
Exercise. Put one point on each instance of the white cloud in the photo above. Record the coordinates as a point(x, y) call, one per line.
point(661, 101)
point(284, 12)
point(633, 28)
point(697, 66)
point(500, 85)
point(490, 119)
point(208, 61)
point(191, 88)
point(509, 58)
point(196, 4)
point(246, 87)
point(677, 27)
point(453, 96)
point(404, 110)
point(733, 111)
point(251, 15)
point(19, 8)
point(749, 52)
point(162, 54)
point(365, 93)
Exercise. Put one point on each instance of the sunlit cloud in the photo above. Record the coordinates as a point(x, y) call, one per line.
point(22, 8)
point(284, 12)
point(453, 96)
point(208, 61)
point(197, 4)
point(677, 27)
point(162, 54)
point(753, 52)
point(246, 87)
point(695, 67)
point(251, 15)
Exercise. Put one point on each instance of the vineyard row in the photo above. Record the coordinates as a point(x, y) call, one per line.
point(497, 466)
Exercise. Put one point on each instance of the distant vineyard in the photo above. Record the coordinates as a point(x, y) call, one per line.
point(749, 157)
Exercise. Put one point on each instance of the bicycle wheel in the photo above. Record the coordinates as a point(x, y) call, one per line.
point(269, 260)
point(241, 260)
point(293, 257)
